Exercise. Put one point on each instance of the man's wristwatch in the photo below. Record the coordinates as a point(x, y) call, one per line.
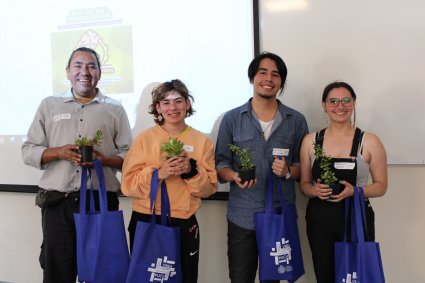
point(288, 173)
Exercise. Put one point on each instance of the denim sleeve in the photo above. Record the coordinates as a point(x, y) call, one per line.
point(301, 132)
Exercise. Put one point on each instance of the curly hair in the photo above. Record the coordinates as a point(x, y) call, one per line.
point(160, 93)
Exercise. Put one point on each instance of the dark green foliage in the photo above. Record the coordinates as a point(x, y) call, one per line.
point(245, 156)
point(327, 176)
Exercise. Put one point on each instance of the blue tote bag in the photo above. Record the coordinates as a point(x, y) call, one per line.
point(102, 249)
point(278, 242)
point(357, 260)
point(156, 249)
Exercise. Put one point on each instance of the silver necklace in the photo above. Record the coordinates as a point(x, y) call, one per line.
point(265, 126)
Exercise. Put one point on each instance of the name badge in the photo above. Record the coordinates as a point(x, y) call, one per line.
point(345, 165)
point(188, 148)
point(281, 151)
point(63, 116)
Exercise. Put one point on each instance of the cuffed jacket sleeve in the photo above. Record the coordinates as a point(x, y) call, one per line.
point(36, 142)
point(204, 183)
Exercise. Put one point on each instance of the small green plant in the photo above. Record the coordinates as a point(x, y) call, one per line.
point(245, 156)
point(327, 176)
point(174, 147)
point(96, 140)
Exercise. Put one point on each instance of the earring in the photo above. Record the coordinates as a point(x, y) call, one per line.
point(160, 117)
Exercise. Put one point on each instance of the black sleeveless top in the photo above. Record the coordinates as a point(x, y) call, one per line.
point(339, 165)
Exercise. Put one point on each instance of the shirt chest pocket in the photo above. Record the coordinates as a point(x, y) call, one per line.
point(284, 144)
point(244, 139)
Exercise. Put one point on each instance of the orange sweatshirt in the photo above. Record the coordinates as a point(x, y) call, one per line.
point(145, 156)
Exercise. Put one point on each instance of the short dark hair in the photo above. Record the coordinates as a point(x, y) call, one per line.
point(281, 66)
point(337, 84)
point(84, 49)
point(160, 92)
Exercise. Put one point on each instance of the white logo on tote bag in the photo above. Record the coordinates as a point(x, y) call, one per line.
point(162, 270)
point(282, 254)
point(351, 278)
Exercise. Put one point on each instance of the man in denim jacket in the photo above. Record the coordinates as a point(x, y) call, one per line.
point(274, 133)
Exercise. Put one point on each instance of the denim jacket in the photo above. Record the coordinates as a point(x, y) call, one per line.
point(241, 127)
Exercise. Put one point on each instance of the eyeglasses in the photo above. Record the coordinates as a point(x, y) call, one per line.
point(334, 102)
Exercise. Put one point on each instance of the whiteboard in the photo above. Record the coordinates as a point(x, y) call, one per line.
point(376, 46)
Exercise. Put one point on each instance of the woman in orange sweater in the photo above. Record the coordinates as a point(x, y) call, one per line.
point(189, 177)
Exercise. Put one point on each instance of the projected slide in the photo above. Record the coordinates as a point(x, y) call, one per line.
point(114, 46)
point(207, 44)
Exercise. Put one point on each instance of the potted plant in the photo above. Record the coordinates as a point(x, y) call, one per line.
point(86, 146)
point(327, 176)
point(174, 147)
point(247, 168)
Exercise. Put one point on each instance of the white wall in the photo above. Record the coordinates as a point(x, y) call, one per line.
point(376, 46)
point(400, 230)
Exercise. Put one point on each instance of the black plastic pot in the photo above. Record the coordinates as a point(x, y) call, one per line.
point(246, 174)
point(86, 152)
point(337, 188)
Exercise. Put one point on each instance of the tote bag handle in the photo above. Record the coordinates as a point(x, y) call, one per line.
point(269, 193)
point(360, 214)
point(165, 202)
point(102, 189)
point(356, 206)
